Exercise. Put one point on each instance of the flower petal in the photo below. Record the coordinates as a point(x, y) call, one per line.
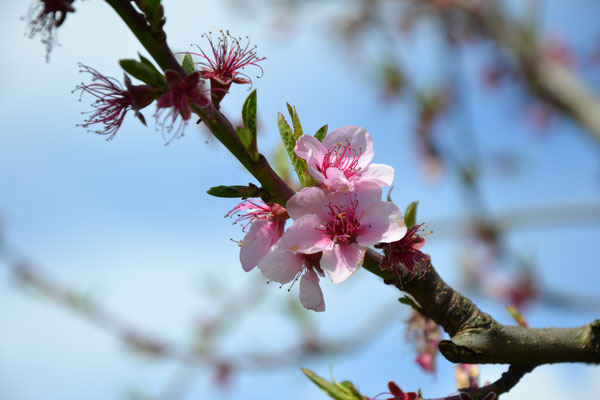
point(307, 145)
point(281, 266)
point(336, 179)
point(359, 139)
point(304, 237)
point(259, 239)
point(385, 223)
point(380, 174)
point(342, 261)
point(310, 200)
point(311, 295)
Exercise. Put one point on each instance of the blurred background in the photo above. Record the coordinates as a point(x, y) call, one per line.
point(118, 275)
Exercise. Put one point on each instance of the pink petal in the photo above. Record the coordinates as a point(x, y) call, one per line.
point(311, 295)
point(359, 138)
point(259, 239)
point(336, 179)
point(342, 261)
point(281, 266)
point(307, 145)
point(304, 237)
point(385, 224)
point(380, 174)
point(310, 200)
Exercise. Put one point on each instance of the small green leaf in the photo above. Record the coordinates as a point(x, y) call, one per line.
point(145, 73)
point(321, 133)
point(343, 391)
point(410, 215)
point(295, 121)
point(245, 136)
point(188, 64)
point(289, 141)
point(410, 302)
point(249, 113)
point(234, 191)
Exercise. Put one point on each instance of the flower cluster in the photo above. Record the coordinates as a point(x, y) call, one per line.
point(333, 223)
point(177, 97)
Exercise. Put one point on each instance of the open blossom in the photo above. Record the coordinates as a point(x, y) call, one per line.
point(223, 65)
point(112, 101)
point(343, 159)
point(182, 94)
point(341, 225)
point(45, 16)
point(266, 221)
point(283, 266)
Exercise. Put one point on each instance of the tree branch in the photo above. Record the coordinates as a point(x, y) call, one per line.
point(477, 338)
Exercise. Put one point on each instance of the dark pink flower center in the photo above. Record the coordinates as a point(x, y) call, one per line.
point(343, 224)
point(343, 157)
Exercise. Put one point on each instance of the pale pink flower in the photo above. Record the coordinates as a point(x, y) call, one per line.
point(343, 159)
point(341, 225)
point(266, 221)
point(283, 266)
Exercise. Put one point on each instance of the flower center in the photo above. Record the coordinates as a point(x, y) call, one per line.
point(343, 157)
point(343, 224)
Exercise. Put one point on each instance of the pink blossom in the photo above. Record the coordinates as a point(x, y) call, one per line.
point(283, 266)
point(341, 225)
point(266, 222)
point(343, 159)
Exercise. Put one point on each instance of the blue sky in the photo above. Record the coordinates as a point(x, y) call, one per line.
point(129, 220)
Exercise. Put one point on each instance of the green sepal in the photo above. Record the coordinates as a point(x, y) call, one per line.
point(188, 64)
point(289, 141)
point(144, 71)
point(335, 390)
point(235, 191)
point(410, 215)
point(321, 133)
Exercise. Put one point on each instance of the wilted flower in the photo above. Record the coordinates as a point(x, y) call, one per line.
point(182, 94)
point(343, 159)
point(425, 335)
point(266, 221)
point(223, 65)
point(405, 253)
point(112, 101)
point(45, 16)
point(341, 225)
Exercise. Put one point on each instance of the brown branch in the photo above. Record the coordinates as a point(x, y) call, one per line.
point(477, 338)
point(507, 381)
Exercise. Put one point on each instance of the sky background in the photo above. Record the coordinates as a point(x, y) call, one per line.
point(129, 222)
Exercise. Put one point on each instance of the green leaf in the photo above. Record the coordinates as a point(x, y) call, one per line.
point(245, 136)
point(321, 133)
point(249, 113)
point(188, 64)
point(343, 391)
point(144, 72)
point(410, 302)
point(410, 215)
point(295, 121)
point(289, 141)
point(234, 191)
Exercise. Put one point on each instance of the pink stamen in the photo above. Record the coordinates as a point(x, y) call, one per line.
point(343, 224)
point(342, 157)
